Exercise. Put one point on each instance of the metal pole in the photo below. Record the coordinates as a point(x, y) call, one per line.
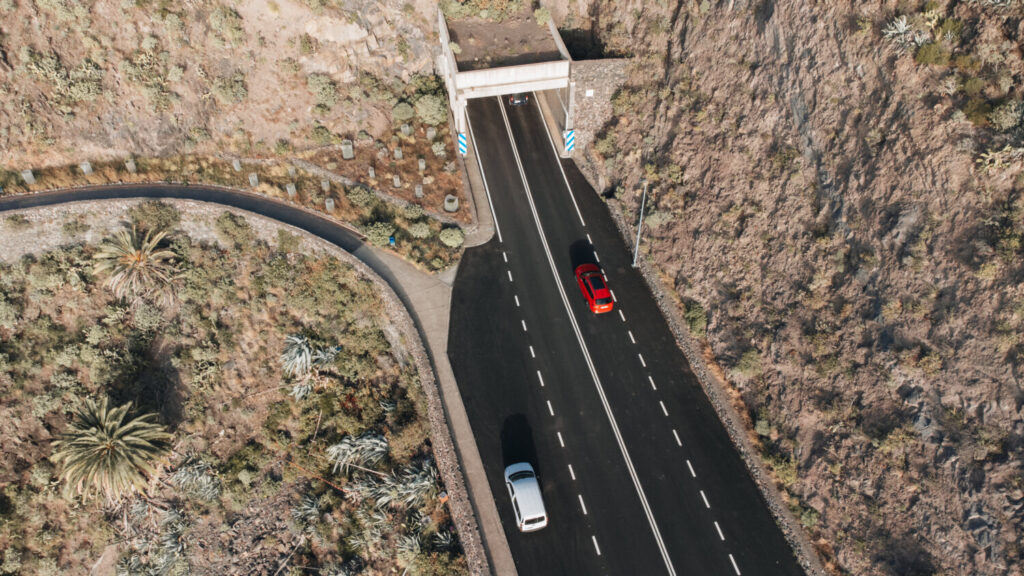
point(640, 225)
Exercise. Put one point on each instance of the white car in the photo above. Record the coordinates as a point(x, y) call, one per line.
point(524, 489)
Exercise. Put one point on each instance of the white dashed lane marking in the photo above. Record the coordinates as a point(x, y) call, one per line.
point(550, 409)
point(505, 256)
point(641, 356)
point(614, 299)
point(509, 275)
point(705, 498)
point(621, 315)
point(651, 380)
point(589, 240)
point(516, 296)
point(719, 528)
point(582, 505)
point(676, 434)
point(692, 473)
point(663, 409)
point(598, 258)
point(541, 378)
point(573, 474)
point(560, 441)
point(532, 355)
point(598, 549)
point(631, 339)
point(734, 566)
point(524, 325)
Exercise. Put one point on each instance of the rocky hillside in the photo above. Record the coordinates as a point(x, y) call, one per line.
point(837, 202)
point(100, 79)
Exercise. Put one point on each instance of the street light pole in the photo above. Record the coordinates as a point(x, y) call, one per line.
point(640, 225)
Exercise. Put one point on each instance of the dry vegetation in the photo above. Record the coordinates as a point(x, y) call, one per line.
point(838, 203)
point(183, 90)
point(274, 467)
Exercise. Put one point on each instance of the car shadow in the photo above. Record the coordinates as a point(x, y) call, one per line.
point(581, 252)
point(517, 442)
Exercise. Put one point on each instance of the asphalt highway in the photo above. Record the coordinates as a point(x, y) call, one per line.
point(638, 474)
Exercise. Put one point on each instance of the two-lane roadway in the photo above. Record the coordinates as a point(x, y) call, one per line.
point(638, 474)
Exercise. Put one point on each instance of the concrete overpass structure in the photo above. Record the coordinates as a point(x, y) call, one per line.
point(535, 71)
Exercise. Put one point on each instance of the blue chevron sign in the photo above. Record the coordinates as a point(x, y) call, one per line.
point(570, 140)
point(462, 144)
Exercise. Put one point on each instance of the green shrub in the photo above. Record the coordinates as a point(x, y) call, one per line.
point(379, 233)
point(432, 109)
point(412, 211)
point(420, 230)
point(402, 112)
point(977, 111)
point(18, 221)
point(606, 146)
point(322, 136)
point(542, 16)
point(361, 196)
point(154, 216)
point(307, 44)
point(439, 149)
point(81, 84)
point(749, 364)
point(324, 89)
point(228, 25)
point(231, 89)
point(973, 87)
point(695, 317)
point(452, 237)
point(932, 54)
point(234, 230)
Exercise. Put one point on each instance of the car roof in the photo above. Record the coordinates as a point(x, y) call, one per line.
point(527, 490)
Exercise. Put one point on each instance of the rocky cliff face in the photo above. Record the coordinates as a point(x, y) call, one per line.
point(837, 203)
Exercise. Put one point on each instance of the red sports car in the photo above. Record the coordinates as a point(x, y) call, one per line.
point(594, 288)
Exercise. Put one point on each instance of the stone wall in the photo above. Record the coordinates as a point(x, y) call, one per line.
point(596, 82)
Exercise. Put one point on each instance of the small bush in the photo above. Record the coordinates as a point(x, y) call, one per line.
point(322, 136)
point(542, 16)
point(420, 230)
point(234, 229)
point(228, 26)
point(977, 111)
point(307, 44)
point(452, 237)
point(324, 89)
point(438, 148)
point(432, 109)
point(402, 112)
point(154, 216)
point(1006, 116)
point(361, 196)
point(456, 49)
point(18, 221)
point(749, 364)
point(231, 89)
point(606, 146)
point(696, 318)
point(933, 54)
point(379, 233)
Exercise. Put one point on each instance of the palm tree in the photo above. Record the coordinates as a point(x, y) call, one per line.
point(104, 453)
point(297, 358)
point(135, 267)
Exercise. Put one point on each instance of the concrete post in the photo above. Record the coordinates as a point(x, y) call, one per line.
point(325, 185)
point(254, 180)
point(396, 181)
point(373, 173)
point(237, 165)
point(86, 167)
point(329, 204)
point(28, 177)
point(347, 152)
point(290, 188)
point(129, 165)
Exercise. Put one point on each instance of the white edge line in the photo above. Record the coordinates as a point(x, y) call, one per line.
point(483, 177)
point(648, 512)
point(582, 505)
point(734, 566)
point(558, 158)
point(598, 548)
point(719, 529)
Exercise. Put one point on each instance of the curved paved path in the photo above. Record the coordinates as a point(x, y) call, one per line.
point(427, 298)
